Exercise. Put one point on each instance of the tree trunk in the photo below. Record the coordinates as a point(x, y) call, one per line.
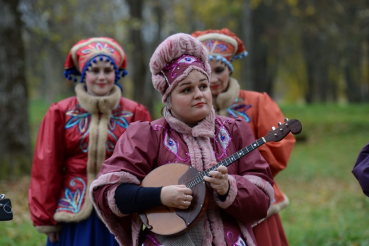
point(351, 74)
point(15, 148)
point(322, 68)
point(265, 46)
point(246, 36)
point(311, 54)
point(137, 57)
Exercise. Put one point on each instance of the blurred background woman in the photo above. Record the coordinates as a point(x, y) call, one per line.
point(258, 109)
point(76, 135)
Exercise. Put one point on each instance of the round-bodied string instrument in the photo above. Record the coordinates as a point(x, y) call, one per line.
point(164, 220)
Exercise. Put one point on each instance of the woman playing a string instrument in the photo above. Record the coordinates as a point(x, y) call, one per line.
point(189, 133)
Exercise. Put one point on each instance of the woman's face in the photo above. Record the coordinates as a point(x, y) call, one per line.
point(100, 78)
point(219, 77)
point(190, 100)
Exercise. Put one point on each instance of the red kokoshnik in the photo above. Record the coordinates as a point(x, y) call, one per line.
point(89, 50)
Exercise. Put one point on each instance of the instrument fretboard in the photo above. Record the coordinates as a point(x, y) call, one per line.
point(227, 161)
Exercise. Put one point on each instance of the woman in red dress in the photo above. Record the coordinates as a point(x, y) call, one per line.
point(76, 135)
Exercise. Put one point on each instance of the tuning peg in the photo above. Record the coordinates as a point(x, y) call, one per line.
point(286, 119)
point(279, 123)
point(273, 128)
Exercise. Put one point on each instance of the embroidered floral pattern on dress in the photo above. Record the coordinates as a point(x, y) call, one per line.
point(222, 138)
point(82, 119)
point(238, 242)
point(238, 109)
point(117, 118)
point(171, 144)
point(153, 240)
point(72, 200)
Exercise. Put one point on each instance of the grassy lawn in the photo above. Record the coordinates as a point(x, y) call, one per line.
point(327, 206)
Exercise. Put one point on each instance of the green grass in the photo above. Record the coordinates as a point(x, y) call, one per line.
point(14, 234)
point(327, 206)
point(19, 231)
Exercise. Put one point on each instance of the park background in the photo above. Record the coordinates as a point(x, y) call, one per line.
point(311, 56)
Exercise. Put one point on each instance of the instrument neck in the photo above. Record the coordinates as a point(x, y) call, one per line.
point(227, 161)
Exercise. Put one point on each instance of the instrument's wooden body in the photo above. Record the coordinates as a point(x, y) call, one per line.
point(169, 221)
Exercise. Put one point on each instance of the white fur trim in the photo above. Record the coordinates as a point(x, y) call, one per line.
point(227, 98)
point(276, 207)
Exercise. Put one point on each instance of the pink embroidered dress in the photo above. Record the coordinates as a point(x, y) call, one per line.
point(147, 145)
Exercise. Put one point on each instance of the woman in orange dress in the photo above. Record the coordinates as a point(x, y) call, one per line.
point(258, 109)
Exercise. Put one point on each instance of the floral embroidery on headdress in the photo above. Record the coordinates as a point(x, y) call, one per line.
point(222, 45)
point(177, 67)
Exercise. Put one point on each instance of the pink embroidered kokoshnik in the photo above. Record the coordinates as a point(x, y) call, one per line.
point(178, 66)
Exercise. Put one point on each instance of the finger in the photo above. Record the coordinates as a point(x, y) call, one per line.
point(222, 169)
point(52, 238)
point(185, 204)
point(215, 174)
point(188, 191)
point(211, 179)
point(214, 182)
point(185, 190)
point(188, 198)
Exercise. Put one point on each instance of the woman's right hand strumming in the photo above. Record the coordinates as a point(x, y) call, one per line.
point(176, 196)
